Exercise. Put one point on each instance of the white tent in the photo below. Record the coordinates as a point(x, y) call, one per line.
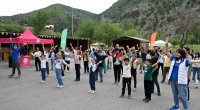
point(161, 43)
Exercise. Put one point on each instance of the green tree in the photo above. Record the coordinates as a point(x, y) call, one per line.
point(106, 31)
point(86, 30)
point(38, 21)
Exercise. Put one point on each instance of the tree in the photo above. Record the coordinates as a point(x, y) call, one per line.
point(106, 31)
point(86, 30)
point(38, 21)
point(187, 22)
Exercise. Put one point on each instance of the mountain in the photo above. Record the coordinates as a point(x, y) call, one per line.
point(168, 17)
point(58, 15)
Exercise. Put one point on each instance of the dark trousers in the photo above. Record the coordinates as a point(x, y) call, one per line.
point(188, 89)
point(117, 72)
point(155, 81)
point(92, 80)
point(68, 62)
point(126, 81)
point(86, 67)
point(15, 64)
point(134, 76)
point(43, 73)
point(147, 89)
point(166, 70)
point(160, 65)
point(77, 68)
point(37, 63)
point(47, 68)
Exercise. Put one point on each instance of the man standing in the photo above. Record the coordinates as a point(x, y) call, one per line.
point(15, 51)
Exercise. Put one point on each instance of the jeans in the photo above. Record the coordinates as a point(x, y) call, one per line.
point(77, 68)
point(126, 81)
point(117, 73)
point(100, 71)
point(59, 77)
point(37, 63)
point(43, 70)
point(196, 70)
point(52, 64)
point(92, 80)
point(15, 64)
point(180, 92)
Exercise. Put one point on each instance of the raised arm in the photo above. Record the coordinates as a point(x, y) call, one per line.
point(72, 46)
point(194, 61)
point(11, 44)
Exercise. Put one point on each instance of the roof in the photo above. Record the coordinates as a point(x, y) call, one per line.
point(130, 37)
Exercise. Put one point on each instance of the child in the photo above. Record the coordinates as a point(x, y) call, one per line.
point(58, 66)
point(43, 61)
point(134, 66)
point(92, 76)
point(110, 61)
point(126, 78)
point(148, 80)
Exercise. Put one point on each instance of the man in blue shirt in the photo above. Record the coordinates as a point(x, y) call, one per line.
point(15, 52)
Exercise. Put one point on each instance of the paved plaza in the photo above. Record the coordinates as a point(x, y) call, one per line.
point(28, 93)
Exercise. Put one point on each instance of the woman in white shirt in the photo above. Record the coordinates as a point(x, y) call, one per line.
point(37, 55)
point(196, 70)
point(67, 54)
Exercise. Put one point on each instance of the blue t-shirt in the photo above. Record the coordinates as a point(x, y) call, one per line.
point(174, 75)
point(15, 52)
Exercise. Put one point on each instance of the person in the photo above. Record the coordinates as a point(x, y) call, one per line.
point(178, 77)
point(43, 61)
point(77, 61)
point(15, 51)
point(58, 67)
point(126, 78)
point(160, 60)
point(117, 62)
point(46, 53)
point(86, 61)
point(148, 80)
point(155, 73)
point(134, 67)
point(167, 63)
point(92, 76)
point(110, 61)
point(67, 54)
point(100, 59)
point(143, 55)
point(37, 55)
point(196, 70)
point(52, 56)
point(59, 51)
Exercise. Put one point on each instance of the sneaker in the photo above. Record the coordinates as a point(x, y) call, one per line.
point(18, 77)
point(62, 86)
point(144, 99)
point(89, 91)
point(134, 89)
point(175, 108)
point(42, 81)
point(129, 96)
point(58, 86)
point(114, 82)
point(11, 76)
point(147, 101)
point(196, 86)
point(159, 94)
point(92, 92)
point(121, 96)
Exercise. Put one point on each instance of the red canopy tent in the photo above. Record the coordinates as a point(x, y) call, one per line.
point(27, 37)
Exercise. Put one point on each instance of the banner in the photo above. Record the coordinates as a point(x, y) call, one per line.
point(152, 40)
point(63, 41)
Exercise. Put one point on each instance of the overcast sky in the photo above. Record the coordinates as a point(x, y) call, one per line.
point(12, 7)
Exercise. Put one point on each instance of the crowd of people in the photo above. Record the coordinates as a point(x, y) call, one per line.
point(124, 62)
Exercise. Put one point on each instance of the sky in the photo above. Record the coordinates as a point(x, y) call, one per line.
point(13, 7)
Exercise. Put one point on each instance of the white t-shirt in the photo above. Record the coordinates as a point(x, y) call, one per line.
point(94, 67)
point(67, 56)
point(126, 71)
point(43, 63)
point(52, 55)
point(59, 63)
point(37, 54)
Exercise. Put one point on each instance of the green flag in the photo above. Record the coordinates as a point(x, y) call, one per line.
point(63, 42)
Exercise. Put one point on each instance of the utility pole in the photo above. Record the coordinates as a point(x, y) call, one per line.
point(72, 23)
